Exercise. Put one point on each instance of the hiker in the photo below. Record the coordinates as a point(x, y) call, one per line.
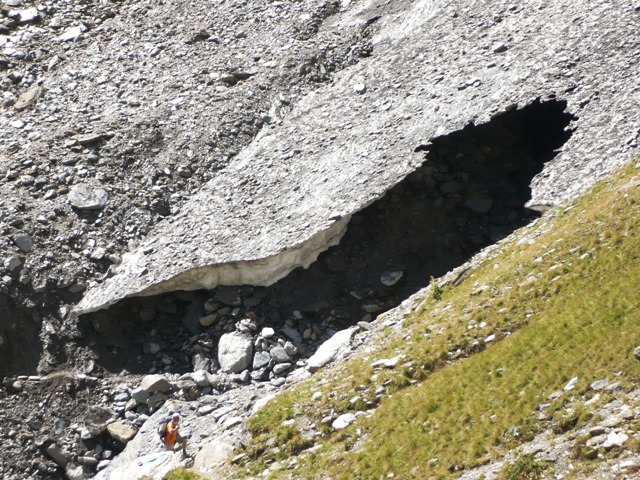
point(172, 435)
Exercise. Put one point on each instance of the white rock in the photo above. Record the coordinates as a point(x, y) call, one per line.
point(330, 349)
point(267, 332)
point(201, 377)
point(71, 33)
point(343, 421)
point(120, 432)
point(235, 352)
point(571, 384)
point(87, 197)
point(615, 439)
point(155, 383)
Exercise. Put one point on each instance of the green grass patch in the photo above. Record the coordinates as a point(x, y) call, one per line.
point(183, 474)
point(525, 468)
point(559, 301)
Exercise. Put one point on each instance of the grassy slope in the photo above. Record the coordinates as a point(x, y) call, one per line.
point(562, 301)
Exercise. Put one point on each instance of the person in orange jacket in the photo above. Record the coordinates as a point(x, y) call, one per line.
point(173, 435)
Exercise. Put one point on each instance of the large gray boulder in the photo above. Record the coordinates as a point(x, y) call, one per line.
point(155, 383)
point(235, 352)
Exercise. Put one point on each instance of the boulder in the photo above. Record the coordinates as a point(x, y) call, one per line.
point(87, 197)
point(140, 395)
point(343, 421)
point(235, 352)
point(261, 359)
point(155, 383)
point(58, 455)
point(330, 349)
point(95, 419)
point(121, 433)
point(201, 378)
point(279, 354)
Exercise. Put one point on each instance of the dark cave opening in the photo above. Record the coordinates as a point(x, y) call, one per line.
point(470, 192)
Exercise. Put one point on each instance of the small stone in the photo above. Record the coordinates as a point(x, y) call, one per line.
point(87, 197)
point(235, 351)
point(386, 363)
point(86, 139)
point(201, 378)
point(571, 384)
point(290, 349)
point(479, 205)
point(230, 296)
point(11, 263)
point(24, 242)
point(281, 368)
point(555, 395)
point(28, 98)
point(121, 397)
point(184, 171)
point(599, 385)
point(633, 465)
point(279, 355)
point(72, 33)
point(74, 472)
point(390, 277)
point(267, 332)
point(360, 88)
point(209, 320)
point(88, 461)
point(372, 306)
point(278, 381)
point(636, 353)
point(499, 48)
point(261, 359)
point(57, 455)
point(155, 383)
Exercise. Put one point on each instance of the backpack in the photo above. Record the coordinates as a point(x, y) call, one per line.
point(162, 428)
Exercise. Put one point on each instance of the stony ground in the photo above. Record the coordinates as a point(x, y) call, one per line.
point(100, 105)
point(115, 113)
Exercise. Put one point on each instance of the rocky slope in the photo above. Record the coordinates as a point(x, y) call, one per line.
point(116, 112)
point(161, 146)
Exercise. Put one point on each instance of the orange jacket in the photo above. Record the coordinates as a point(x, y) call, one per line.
point(172, 433)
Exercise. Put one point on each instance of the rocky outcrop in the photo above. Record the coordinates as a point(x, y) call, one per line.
point(436, 68)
